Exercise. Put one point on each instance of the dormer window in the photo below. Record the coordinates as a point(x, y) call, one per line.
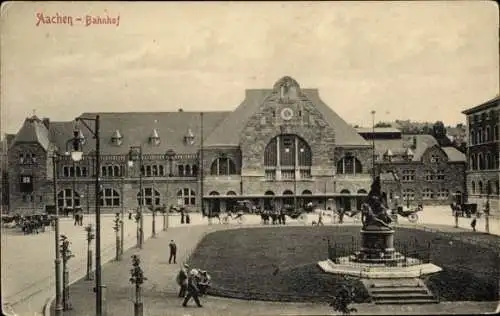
point(189, 137)
point(154, 139)
point(388, 155)
point(409, 154)
point(117, 138)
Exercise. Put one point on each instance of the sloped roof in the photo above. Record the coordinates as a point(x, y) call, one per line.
point(400, 146)
point(454, 155)
point(483, 106)
point(229, 130)
point(368, 130)
point(33, 131)
point(136, 128)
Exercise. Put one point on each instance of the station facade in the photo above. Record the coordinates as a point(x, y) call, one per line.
point(281, 145)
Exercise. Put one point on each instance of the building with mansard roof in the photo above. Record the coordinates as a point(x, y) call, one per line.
point(483, 148)
point(281, 145)
point(424, 172)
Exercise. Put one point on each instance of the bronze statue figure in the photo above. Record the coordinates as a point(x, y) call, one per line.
point(374, 212)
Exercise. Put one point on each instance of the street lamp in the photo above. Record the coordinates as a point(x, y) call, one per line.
point(132, 155)
point(487, 209)
point(170, 154)
point(373, 143)
point(57, 261)
point(77, 155)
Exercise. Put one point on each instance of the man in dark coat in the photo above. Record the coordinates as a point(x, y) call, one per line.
point(173, 252)
point(182, 280)
point(192, 289)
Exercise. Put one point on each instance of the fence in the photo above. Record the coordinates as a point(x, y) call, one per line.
point(413, 248)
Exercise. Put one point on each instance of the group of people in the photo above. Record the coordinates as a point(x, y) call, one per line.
point(193, 283)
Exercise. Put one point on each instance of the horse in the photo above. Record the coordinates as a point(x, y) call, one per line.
point(211, 215)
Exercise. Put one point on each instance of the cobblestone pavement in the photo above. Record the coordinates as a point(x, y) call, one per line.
point(160, 289)
point(28, 261)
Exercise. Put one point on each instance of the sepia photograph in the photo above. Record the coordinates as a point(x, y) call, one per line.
point(249, 158)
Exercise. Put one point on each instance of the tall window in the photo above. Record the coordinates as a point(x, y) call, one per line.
point(443, 194)
point(222, 167)
point(287, 153)
point(473, 187)
point(70, 171)
point(480, 187)
point(111, 171)
point(408, 194)
point(110, 197)
point(150, 196)
point(186, 197)
point(473, 161)
point(349, 165)
point(408, 176)
point(440, 175)
point(427, 194)
point(66, 197)
point(429, 176)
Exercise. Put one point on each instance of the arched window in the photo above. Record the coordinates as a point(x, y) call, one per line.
point(161, 170)
point(180, 170)
point(488, 161)
point(223, 167)
point(289, 153)
point(479, 136)
point(480, 187)
point(116, 171)
point(345, 191)
point(495, 132)
point(66, 197)
point(480, 161)
point(288, 198)
point(306, 192)
point(489, 188)
point(472, 138)
point(427, 194)
point(110, 197)
point(362, 191)
point(349, 165)
point(269, 193)
point(188, 170)
point(194, 170)
point(487, 134)
point(473, 160)
point(186, 197)
point(287, 192)
point(473, 187)
point(214, 193)
point(150, 196)
point(231, 193)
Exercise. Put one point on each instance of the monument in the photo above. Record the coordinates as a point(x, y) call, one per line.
point(377, 257)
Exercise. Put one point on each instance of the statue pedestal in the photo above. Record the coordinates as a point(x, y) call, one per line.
point(377, 246)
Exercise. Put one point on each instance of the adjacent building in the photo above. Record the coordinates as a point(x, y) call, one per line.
point(483, 148)
point(425, 173)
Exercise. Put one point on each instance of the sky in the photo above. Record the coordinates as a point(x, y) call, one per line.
point(424, 61)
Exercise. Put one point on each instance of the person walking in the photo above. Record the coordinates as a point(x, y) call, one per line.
point(320, 218)
point(473, 223)
point(173, 252)
point(192, 289)
point(182, 280)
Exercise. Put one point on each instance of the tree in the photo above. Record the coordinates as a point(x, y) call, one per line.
point(383, 124)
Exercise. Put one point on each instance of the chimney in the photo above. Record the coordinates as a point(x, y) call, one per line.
point(46, 122)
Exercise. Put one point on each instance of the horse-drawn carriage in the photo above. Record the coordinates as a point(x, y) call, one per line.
point(464, 210)
point(410, 214)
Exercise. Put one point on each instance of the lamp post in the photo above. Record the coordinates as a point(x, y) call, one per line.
point(116, 228)
point(66, 255)
point(170, 154)
point(57, 261)
point(90, 237)
point(134, 151)
point(487, 210)
point(201, 168)
point(373, 143)
point(137, 278)
point(77, 155)
point(122, 210)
